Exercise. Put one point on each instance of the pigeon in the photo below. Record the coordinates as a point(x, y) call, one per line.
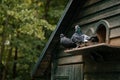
point(77, 36)
point(86, 38)
point(94, 39)
point(78, 30)
point(66, 42)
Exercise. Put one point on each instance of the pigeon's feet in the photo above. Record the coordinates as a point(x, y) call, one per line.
point(78, 46)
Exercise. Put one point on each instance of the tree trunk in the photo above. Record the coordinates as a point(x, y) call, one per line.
point(1, 70)
point(47, 4)
point(15, 59)
point(2, 49)
point(7, 64)
point(15, 63)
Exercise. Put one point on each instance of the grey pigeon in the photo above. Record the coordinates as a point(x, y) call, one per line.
point(66, 42)
point(86, 38)
point(94, 39)
point(77, 36)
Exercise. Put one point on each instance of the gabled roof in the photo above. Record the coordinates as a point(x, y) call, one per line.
point(63, 25)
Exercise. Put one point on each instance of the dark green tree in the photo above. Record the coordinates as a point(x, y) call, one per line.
point(25, 26)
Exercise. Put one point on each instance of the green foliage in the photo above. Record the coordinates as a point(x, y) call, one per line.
point(23, 26)
point(56, 10)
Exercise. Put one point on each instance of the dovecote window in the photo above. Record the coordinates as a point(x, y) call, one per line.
point(102, 31)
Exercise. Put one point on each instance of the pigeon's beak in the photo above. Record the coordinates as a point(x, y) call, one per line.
point(61, 35)
point(76, 27)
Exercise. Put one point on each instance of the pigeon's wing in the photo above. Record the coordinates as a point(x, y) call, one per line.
point(85, 38)
point(66, 42)
point(76, 38)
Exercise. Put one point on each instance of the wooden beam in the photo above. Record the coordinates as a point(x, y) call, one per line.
point(71, 63)
point(70, 59)
point(88, 49)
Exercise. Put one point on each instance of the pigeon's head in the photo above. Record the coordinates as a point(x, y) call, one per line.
point(78, 29)
point(61, 35)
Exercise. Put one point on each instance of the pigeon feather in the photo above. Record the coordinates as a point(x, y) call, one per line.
point(66, 42)
point(77, 36)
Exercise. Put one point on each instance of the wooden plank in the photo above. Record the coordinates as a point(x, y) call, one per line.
point(115, 41)
point(85, 49)
point(101, 67)
point(102, 70)
point(74, 72)
point(101, 15)
point(99, 7)
point(71, 59)
point(61, 78)
point(115, 32)
point(91, 2)
point(114, 21)
point(105, 48)
point(62, 54)
point(112, 75)
point(102, 76)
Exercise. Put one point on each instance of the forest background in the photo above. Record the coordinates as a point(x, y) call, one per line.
point(25, 27)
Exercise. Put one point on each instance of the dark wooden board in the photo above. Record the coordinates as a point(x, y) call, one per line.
point(88, 49)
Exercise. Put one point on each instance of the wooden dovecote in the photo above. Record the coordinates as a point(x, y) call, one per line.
point(93, 62)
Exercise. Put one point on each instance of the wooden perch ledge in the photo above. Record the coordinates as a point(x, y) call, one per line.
point(96, 47)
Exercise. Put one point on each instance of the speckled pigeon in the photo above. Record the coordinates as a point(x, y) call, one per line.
point(77, 36)
point(66, 42)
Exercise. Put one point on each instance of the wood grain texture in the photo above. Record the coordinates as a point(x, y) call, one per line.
point(115, 32)
point(101, 15)
point(91, 2)
point(103, 5)
point(70, 59)
point(74, 72)
point(115, 41)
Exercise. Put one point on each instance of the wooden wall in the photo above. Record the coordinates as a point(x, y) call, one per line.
point(72, 72)
point(71, 66)
point(104, 70)
point(88, 17)
point(97, 10)
point(67, 67)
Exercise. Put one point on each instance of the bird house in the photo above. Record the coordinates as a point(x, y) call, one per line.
point(99, 61)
